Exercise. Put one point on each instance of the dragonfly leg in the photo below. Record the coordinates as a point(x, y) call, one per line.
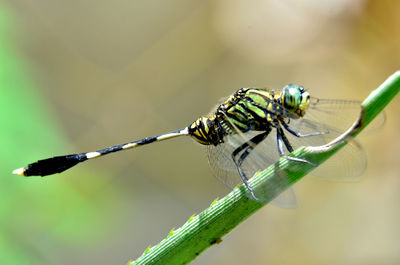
point(299, 134)
point(255, 141)
point(282, 140)
point(248, 147)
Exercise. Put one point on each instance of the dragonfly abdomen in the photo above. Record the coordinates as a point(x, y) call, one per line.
point(206, 130)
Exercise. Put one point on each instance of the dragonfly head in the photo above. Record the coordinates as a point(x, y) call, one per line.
point(295, 99)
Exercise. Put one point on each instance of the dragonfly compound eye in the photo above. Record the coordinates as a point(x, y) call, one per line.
point(292, 97)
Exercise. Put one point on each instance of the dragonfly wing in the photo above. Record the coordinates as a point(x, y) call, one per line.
point(222, 165)
point(348, 164)
point(224, 169)
point(340, 113)
point(332, 117)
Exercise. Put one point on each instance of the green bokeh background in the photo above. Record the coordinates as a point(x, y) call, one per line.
point(81, 75)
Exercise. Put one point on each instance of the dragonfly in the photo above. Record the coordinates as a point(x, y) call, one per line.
point(247, 132)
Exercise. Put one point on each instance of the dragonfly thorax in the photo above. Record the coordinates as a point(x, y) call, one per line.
point(249, 109)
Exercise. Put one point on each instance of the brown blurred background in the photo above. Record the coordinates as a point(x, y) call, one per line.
point(115, 71)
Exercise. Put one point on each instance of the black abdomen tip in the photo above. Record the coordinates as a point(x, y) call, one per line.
point(52, 165)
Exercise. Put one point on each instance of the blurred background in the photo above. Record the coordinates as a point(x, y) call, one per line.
point(77, 76)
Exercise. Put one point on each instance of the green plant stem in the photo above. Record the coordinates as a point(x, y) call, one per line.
point(205, 229)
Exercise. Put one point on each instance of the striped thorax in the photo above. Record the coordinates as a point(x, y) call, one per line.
point(250, 109)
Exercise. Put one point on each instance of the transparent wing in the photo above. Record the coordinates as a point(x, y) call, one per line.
point(224, 169)
point(335, 114)
point(346, 165)
point(339, 114)
point(330, 117)
point(333, 117)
